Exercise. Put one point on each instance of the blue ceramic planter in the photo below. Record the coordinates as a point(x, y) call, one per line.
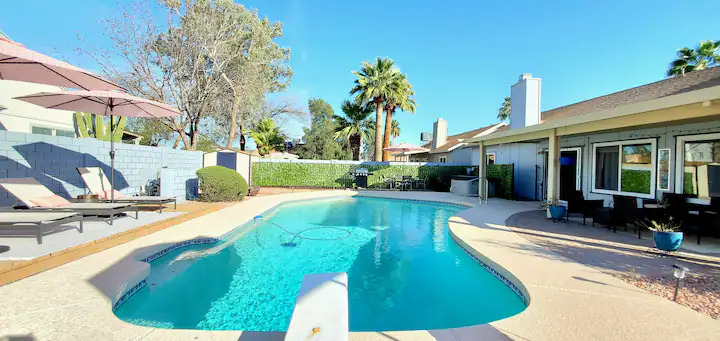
point(668, 241)
point(557, 212)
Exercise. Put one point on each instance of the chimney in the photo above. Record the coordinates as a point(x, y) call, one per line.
point(439, 136)
point(525, 102)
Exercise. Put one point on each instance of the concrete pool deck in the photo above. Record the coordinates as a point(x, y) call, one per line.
point(72, 301)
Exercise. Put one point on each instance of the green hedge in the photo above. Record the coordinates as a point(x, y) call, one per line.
point(330, 175)
point(635, 181)
point(337, 175)
point(218, 183)
point(502, 176)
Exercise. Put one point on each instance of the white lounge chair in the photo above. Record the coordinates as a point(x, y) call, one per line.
point(40, 221)
point(28, 189)
point(97, 183)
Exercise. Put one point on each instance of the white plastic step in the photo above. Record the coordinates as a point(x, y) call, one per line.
point(321, 309)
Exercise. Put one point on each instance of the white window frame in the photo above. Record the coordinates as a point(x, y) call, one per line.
point(487, 157)
point(442, 159)
point(680, 161)
point(621, 144)
point(578, 169)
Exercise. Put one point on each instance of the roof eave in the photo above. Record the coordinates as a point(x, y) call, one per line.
point(697, 96)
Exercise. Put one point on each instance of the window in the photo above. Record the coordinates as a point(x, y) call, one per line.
point(52, 131)
point(700, 158)
point(443, 159)
point(490, 158)
point(625, 167)
point(42, 131)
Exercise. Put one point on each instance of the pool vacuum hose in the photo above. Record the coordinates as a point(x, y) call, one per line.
point(292, 243)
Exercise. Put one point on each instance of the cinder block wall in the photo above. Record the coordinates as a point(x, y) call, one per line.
point(53, 160)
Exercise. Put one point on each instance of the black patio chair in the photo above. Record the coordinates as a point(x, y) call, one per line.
point(677, 208)
point(577, 204)
point(626, 212)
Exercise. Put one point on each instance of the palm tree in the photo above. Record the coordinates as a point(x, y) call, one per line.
point(689, 60)
point(373, 84)
point(395, 131)
point(267, 136)
point(354, 126)
point(399, 98)
point(504, 111)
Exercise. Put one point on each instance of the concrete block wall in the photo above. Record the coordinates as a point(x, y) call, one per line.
point(53, 160)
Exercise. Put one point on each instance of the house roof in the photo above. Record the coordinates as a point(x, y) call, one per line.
point(672, 86)
point(455, 141)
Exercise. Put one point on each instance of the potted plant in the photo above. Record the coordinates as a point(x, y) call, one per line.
point(667, 235)
point(555, 210)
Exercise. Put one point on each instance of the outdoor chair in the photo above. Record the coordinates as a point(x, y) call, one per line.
point(577, 204)
point(677, 208)
point(97, 183)
point(625, 211)
point(407, 183)
point(420, 182)
point(40, 221)
point(36, 197)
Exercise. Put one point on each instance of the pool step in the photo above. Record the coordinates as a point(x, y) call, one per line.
point(321, 309)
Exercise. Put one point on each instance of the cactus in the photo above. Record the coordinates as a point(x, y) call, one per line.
point(91, 125)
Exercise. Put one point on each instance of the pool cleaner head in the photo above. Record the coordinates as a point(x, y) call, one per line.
point(289, 244)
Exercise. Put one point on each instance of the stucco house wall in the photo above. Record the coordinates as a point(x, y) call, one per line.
point(22, 116)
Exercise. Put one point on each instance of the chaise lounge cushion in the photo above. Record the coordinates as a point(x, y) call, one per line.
point(51, 201)
point(107, 194)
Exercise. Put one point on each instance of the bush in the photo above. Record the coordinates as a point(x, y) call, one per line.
point(218, 183)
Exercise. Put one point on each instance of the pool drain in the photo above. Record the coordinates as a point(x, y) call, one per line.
point(292, 242)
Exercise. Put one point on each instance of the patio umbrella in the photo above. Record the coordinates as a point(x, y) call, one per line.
point(405, 148)
point(108, 103)
point(19, 63)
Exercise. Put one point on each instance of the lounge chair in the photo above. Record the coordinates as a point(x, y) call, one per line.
point(41, 221)
point(29, 192)
point(97, 183)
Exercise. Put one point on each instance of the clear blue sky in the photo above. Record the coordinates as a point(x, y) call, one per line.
point(461, 57)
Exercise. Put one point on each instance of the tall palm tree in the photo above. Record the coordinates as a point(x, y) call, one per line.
point(689, 60)
point(395, 131)
point(399, 98)
point(354, 126)
point(267, 136)
point(504, 111)
point(373, 84)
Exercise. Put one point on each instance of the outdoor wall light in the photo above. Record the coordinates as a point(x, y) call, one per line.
point(679, 273)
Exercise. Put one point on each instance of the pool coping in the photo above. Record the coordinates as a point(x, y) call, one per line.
point(73, 301)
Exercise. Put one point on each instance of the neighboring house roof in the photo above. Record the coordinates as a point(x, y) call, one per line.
point(456, 141)
point(672, 86)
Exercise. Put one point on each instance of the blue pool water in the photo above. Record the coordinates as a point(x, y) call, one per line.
point(404, 272)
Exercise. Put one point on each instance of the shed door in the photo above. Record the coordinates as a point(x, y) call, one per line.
point(228, 160)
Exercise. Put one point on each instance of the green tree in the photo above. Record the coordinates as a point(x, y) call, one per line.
point(373, 84)
point(353, 126)
point(689, 60)
point(504, 111)
point(267, 137)
point(395, 131)
point(153, 132)
point(399, 97)
point(319, 139)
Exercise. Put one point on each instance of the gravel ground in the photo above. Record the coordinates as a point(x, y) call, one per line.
point(698, 292)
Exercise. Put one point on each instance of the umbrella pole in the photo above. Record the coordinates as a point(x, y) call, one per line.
point(112, 159)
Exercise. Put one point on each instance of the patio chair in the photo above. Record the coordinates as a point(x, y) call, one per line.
point(677, 207)
point(36, 197)
point(420, 182)
point(97, 183)
point(577, 204)
point(625, 211)
point(40, 221)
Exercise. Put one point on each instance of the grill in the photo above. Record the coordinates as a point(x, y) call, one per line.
point(361, 175)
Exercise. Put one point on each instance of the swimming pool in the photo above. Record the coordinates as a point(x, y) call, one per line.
point(404, 271)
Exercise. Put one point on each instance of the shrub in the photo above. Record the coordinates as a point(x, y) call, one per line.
point(218, 183)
